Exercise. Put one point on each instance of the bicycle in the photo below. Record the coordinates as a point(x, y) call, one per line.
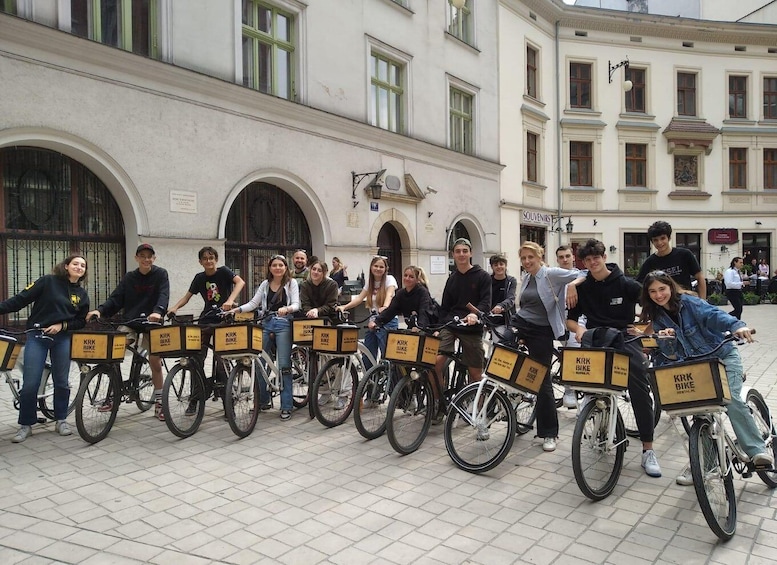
point(414, 400)
point(713, 450)
point(12, 366)
point(599, 440)
point(103, 388)
point(333, 391)
point(186, 388)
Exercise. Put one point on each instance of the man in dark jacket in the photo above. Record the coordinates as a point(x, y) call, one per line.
point(503, 288)
point(608, 300)
point(146, 290)
point(467, 284)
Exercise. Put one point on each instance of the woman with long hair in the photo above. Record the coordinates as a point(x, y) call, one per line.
point(379, 291)
point(279, 294)
point(339, 272)
point(60, 305)
point(412, 298)
point(699, 328)
point(732, 278)
point(540, 318)
point(318, 293)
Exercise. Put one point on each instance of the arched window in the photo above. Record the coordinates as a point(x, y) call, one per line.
point(53, 206)
point(263, 221)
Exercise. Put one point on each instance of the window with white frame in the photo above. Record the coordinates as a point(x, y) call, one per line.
point(127, 24)
point(737, 96)
point(737, 167)
point(686, 94)
point(636, 164)
point(387, 91)
point(770, 168)
point(532, 161)
point(461, 111)
point(532, 62)
point(770, 98)
point(268, 49)
point(460, 21)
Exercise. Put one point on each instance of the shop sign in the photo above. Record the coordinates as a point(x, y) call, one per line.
point(537, 218)
point(720, 236)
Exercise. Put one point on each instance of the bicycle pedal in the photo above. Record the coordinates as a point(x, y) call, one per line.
point(747, 473)
point(41, 420)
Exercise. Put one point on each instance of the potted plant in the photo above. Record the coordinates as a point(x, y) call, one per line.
point(750, 298)
point(717, 299)
point(632, 271)
point(772, 296)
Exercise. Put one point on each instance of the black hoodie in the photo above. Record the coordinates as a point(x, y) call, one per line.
point(474, 286)
point(56, 300)
point(608, 303)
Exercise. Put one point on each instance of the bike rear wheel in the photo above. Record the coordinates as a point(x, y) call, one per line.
point(714, 489)
point(334, 391)
point(627, 413)
point(242, 401)
point(479, 438)
point(183, 400)
point(299, 376)
point(597, 461)
point(525, 413)
point(763, 422)
point(409, 415)
point(46, 392)
point(97, 402)
point(144, 387)
point(372, 398)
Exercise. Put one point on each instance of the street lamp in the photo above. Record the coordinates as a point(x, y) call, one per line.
point(374, 189)
point(557, 224)
point(458, 4)
point(627, 84)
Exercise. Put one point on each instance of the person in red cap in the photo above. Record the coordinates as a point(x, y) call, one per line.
point(144, 291)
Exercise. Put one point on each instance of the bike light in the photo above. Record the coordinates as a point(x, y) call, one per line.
point(415, 375)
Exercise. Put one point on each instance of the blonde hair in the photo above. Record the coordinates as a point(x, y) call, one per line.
point(535, 248)
point(418, 273)
point(381, 294)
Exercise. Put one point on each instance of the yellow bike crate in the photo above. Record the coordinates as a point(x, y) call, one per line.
point(240, 339)
point(412, 348)
point(302, 329)
point(175, 341)
point(516, 369)
point(601, 367)
point(9, 352)
point(97, 347)
point(691, 384)
point(336, 340)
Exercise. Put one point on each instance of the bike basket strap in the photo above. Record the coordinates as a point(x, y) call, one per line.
point(516, 369)
point(175, 341)
point(302, 329)
point(691, 384)
point(238, 339)
point(412, 348)
point(97, 347)
point(338, 340)
point(9, 352)
point(600, 367)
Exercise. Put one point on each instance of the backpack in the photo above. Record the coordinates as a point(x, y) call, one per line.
point(433, 312)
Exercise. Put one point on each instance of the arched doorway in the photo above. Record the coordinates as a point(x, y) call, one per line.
point(390, 246)
point(263, 221)
point(52, 206)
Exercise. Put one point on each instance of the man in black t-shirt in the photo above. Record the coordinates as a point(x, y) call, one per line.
point(677, 262)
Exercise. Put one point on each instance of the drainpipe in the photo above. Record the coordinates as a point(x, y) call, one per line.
point(558, 132)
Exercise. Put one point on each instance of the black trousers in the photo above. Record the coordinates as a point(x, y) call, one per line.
point(539, 341)
point(639, 391)
point(734, 296)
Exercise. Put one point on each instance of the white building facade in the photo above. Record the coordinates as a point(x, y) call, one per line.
point(694, 142)
point(254, 126)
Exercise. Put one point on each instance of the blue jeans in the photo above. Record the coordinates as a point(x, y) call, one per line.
point(35, 352)
point(738, 413)
point(376, 339)
point(277, 336)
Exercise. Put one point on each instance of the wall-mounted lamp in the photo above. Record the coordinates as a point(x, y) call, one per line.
point(429, 214)
point(724, 249)
point(757, 223)
point(374, 189)
point(613, 249)
point(458, 4)
point(595, 221)
point(557, 220)
point(627, 84)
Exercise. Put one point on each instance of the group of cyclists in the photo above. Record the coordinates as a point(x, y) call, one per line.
point(554, 303)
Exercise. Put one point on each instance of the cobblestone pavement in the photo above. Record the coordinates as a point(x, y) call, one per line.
point(297, 492)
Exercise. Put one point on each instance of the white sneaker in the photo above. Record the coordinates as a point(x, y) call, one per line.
point(763, 460)
point(62, 428)
point(570, 398)
point(549, 444)
point(340, 402)
point(650, 463)
point(324, 399)
point(23, 433)
point(685, 478)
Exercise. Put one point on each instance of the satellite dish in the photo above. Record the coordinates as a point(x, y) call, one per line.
point(392, 182)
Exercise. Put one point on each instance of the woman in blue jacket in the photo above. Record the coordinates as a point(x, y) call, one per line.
point(699, 328)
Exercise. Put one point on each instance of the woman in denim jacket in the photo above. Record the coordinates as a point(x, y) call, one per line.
point(279, 293)
point(699, 328)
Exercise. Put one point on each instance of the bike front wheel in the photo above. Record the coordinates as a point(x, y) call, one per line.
point(242, 401)
point(46, 392)
point(299, 376)
point(409, 415)
point(763, 422)
point(144, 387)
point(479, 436)
point(183, 400)
point(97, 402)
point(334, 391)
point(372, 398)
point(714, 486)
point(597, 458)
